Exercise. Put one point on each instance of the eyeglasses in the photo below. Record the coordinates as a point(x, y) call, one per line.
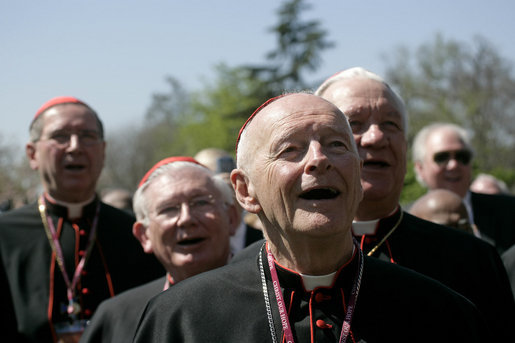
point(462, 156)
point(196, 206)
point(85, 137)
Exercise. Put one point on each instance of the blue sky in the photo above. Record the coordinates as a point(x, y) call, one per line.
point(115, 54)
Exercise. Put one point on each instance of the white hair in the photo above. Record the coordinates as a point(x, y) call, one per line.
point(419, 148)
point(140, 203)
point(362, 73)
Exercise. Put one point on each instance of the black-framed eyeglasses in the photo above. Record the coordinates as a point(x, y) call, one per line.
point(463, 156)
point(62, 138)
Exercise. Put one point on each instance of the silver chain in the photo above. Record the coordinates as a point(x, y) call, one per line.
point(267, 299)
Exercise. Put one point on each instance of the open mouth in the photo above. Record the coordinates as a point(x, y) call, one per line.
point(320, 194)
point(375, 164)
point(74, 167)
point(192, 241)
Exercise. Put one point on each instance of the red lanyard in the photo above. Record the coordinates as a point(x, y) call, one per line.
point(53, 238)
point(169, 282)
point(282, 308)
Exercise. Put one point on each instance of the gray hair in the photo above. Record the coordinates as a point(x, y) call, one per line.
point(362, 73)
point(140, 203)
point(419, 142)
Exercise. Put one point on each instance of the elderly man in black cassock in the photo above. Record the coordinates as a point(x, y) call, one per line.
point(185, 217)
point(468, 265)
point(299, 171)
point(63, 254)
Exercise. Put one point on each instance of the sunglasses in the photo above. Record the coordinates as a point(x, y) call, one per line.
point(443, 157)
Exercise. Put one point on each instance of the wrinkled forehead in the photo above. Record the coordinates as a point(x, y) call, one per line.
point(293, 109)
point(363, 93)
point(185, 182)
point(69, 115)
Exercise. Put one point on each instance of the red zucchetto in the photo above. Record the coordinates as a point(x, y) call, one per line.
point(166, 161)
point(58, 101)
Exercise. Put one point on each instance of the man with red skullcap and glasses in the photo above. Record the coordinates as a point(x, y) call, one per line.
point(65, 253)
point(443, 159)
point(185, 217)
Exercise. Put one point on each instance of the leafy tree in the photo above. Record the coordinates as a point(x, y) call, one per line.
point(132, 150)
point(219, 110)
point(18, 182)
point(468, 84)
point(299, 48)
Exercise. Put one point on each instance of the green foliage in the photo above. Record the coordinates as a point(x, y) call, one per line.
point(467, 84)
point(411, 190)
point(215, 114)
point(219, 110)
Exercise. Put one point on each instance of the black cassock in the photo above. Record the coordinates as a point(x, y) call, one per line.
point(33, 289)
point(227, 305)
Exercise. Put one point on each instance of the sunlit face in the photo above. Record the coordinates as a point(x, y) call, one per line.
point(189, 224)
point(70, 154)
point(451, 174)
point(377, 125)
point(304, 171)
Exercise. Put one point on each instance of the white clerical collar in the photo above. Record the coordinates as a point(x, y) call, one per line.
point(74, 208)
point(366, 227)
point(313, 281)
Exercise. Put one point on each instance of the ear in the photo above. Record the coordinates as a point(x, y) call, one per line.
point(140, 232)
point(418, 169)
point(244, 191)
point(30, 151)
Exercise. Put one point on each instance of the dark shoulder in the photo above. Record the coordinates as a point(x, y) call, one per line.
point(250, 251)
point(19, 214)
point(111, 213)
point(211, 287)
point(422, 230)
point(407, 286)
point(140, 294)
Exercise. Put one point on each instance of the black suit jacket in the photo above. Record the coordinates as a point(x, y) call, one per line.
point(494, 216)
point(116, 319)
point(466, 264)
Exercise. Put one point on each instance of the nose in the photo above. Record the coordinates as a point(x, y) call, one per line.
point(452, 163)
point(373, 136)
point(316, 158)
point(185, 216)
point(74, 142)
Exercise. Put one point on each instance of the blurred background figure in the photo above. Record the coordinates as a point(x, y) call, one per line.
point(488, 184)
point(443, 156)
point(221, 162)
point(118, 197)
point(443, 207)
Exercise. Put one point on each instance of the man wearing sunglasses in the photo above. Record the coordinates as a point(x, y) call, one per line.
point(443, 159)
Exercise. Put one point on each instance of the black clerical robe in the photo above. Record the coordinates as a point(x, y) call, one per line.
point(227, 305)
point(494, 215)
point(116, 319)
point(457, 259)
point(32, 285)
